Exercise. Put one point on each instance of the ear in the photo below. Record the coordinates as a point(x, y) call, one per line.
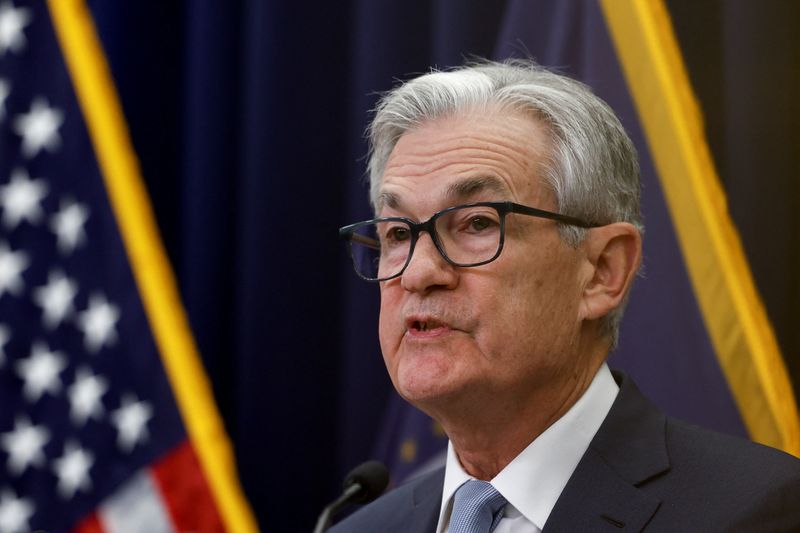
point(614, 253)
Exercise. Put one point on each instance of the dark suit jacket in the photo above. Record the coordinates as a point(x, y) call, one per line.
point(643, 471)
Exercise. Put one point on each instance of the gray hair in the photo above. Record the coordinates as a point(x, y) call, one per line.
point(592, 169)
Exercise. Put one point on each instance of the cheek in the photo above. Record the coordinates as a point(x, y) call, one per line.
point(523, 309)
point(390, 323)
point(537, 304)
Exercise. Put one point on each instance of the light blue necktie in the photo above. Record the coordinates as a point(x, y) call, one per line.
point(477, 508)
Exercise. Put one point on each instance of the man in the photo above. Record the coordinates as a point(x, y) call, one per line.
point(508, 236)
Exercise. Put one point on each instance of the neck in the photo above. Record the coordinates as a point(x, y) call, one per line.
point(489, 438)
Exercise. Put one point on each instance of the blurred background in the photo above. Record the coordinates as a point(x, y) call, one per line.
point(248, 119)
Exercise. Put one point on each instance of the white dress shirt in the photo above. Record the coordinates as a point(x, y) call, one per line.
point(533, 481)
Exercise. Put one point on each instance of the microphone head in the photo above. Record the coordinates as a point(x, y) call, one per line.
point(373, 477)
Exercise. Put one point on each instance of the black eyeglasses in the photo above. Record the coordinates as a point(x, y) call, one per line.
point(466, 236)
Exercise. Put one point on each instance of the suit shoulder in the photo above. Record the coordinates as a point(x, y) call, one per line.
point(701, 448)
point(415, 502)
point(733, 481)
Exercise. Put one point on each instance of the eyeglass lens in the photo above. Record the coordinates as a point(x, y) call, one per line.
point(466, 235)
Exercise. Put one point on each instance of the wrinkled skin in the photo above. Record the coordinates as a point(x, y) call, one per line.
point(496, 353)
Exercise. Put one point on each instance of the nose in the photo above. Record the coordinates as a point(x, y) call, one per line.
point(428, 270)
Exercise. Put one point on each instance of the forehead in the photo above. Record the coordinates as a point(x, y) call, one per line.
point(490, 155)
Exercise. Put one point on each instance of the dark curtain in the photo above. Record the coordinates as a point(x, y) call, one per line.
point(248, 117)
point(744, 61)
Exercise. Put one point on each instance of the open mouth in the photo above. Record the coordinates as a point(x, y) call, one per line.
point(425, 325)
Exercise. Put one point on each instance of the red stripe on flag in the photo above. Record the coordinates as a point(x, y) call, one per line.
point(90, 524)
point(185, 491)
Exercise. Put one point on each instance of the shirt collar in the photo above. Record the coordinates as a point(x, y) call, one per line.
point(533, 481)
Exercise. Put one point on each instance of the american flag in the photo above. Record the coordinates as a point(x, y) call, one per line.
point(91, 436)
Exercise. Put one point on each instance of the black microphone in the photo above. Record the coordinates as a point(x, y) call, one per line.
point(363, 484)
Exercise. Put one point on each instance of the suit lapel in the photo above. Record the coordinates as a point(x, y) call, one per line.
point(603, 493)
point(426, 499)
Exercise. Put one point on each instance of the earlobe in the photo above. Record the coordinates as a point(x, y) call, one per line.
point(614, 253)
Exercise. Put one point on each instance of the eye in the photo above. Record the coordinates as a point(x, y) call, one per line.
point(398, 234)
point(479, 223)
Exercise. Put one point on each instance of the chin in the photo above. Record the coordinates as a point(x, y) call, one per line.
point(415, 383)
point(426, 373)
point(425, 384)
point(418, 394)
point(414, 386)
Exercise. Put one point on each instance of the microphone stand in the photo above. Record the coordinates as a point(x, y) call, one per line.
point(324, 521)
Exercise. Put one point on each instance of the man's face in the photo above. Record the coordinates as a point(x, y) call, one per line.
point(498, 332)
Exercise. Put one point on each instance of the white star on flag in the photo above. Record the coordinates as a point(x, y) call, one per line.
point(5, 336)
point(24, 445)
point(12, 265)
point(40, 372)
point(72, 470)
point(5, 90)
point(131, 422)
point(20, 199)
point(68, 223)
point(84, 396)
point(55, 298)
point(39, 128)
point(98, 322)
point(12, 21)
point(14, 513)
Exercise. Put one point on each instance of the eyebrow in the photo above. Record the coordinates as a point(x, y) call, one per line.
point(456, 191)
point(388, 199)
point(472, 186)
